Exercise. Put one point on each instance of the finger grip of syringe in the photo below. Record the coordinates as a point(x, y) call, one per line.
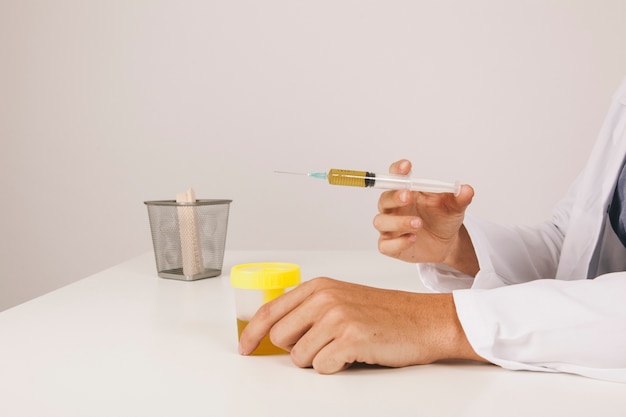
point(404, 182)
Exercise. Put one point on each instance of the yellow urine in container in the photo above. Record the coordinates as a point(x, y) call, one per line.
point(266, 347)
point(257, 284)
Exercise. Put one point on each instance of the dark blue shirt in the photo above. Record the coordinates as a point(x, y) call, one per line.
point(617, 210)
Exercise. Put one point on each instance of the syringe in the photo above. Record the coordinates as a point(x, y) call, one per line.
point(385, 181)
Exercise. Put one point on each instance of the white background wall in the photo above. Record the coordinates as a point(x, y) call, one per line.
point(106, 104)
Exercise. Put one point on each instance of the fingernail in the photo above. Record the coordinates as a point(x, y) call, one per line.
point(416, 223)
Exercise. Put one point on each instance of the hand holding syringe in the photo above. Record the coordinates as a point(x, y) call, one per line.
point(385, 181)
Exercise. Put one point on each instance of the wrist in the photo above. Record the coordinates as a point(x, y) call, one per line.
point(462, 257)
point(454, 344)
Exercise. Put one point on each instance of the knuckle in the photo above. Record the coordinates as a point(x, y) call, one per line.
point(299, 360)
point(338, 316)
point(325, 367)
point(277, 337)
point(387, 247)
point(320, 283)
point(377, 222)
point(382, 247)
point(328, 296)
point(381, 222)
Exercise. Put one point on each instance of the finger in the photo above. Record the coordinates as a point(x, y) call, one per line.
point(466, 194)
point(294, 326)
point(402, 167)
point(269, 314)
point(396, 225)
point(342, 352)
point(391, 200)
point(454, 203)
point(309, 344)
point(332, 359)
point(394, 247)
point(312, 324)
point(331, 324)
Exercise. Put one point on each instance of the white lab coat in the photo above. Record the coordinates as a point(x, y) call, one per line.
point(531, 305)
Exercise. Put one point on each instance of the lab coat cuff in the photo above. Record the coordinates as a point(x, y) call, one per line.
point(443, 278)
point(440, 277)
point(486, 276)
point(480, 330)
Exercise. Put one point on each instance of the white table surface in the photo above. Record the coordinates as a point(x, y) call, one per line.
point(124, 342)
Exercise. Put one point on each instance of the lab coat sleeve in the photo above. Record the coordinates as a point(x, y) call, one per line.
point(550, 325)
point(506, 254)
point(539, 323)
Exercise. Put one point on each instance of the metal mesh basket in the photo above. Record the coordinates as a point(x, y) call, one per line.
point(188, 238)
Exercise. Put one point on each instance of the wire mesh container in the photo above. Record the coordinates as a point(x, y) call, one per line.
point(188, 238)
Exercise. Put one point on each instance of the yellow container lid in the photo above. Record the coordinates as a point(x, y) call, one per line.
point(265, 275)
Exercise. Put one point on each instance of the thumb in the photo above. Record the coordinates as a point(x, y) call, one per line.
point(465, 196)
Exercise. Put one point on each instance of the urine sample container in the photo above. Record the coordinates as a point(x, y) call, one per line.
point(255, 284)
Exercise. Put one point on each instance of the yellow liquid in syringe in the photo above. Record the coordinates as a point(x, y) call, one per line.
point(350, 178)
point(266, 347)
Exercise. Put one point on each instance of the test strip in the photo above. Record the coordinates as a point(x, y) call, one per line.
point(193, 264)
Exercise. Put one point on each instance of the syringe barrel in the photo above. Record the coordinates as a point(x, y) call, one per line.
point(405, 182)
point(389, 181)
point(392, 182)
